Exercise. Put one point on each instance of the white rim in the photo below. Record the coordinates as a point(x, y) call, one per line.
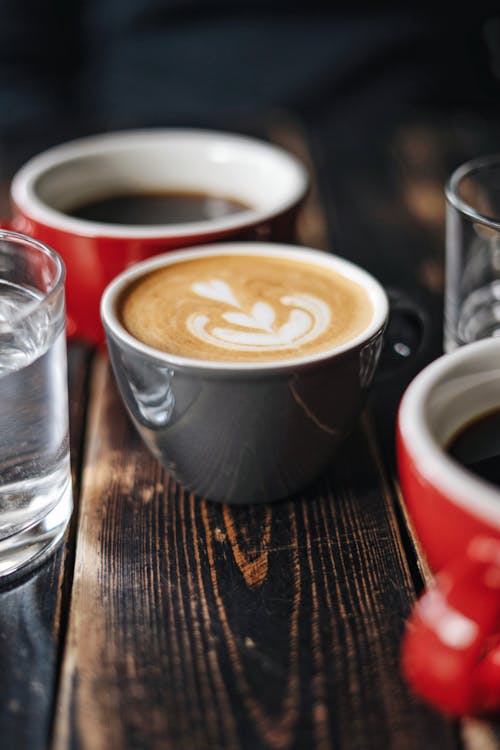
point(16, 239)
point(24, 194)
point(375, 291)
point(478, 497)
point(466, 170)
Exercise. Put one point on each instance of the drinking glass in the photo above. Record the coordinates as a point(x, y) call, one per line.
point(35, 478)
point(472, 285)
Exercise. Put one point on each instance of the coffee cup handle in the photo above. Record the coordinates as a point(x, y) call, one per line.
point(406, 335)
point(450, 652)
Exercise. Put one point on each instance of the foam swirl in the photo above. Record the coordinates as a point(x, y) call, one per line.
point(255, 329)
point(244, 308)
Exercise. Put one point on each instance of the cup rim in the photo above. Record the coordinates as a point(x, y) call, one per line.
point(24, 195)
point(459, 485)
point(452, 196)
point(354, 272)
point(21, 239)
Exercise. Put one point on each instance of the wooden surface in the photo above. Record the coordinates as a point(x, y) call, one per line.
point(165, 621)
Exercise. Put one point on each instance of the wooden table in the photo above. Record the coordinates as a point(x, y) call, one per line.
point(165, 621)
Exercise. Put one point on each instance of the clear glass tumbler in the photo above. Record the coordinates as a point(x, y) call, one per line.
point(35, 477)
point(472, 284)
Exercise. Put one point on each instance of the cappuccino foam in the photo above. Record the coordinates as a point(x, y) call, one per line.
point(244, 308)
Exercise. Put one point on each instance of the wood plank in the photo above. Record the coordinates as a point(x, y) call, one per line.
point(274, 626)
point(33, 611)
point(384, 203)
point(197, 624)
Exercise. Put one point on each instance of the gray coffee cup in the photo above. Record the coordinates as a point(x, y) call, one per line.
point(253, 431)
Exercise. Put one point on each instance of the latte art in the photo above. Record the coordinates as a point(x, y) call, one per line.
point(244, 308)
point(255, 330)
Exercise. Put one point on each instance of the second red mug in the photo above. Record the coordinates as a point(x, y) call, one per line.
point(451, 645)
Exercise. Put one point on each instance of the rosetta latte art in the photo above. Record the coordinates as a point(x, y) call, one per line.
point(255, 329)
point(244, 308)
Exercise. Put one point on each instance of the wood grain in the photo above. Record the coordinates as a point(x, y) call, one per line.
point(389, 215)
point(199, 625)
point(177, 623)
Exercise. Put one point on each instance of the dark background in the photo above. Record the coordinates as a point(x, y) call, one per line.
point(74, 68)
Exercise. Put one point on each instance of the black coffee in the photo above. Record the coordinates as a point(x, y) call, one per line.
point(156, 208)
point(477, 446)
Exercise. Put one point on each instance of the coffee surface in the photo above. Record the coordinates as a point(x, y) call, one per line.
point(173, 207)
point(244, 308)
point(477, 446)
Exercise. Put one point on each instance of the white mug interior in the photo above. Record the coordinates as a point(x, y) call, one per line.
point(322, 258)
point(262, 176)
point(444, 397)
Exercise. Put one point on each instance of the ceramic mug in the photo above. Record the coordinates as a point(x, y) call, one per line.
point(451, 645)
point(245, 432)
point(268, 180)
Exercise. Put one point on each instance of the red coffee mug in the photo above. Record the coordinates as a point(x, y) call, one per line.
point(264, 177)
point(451, 645)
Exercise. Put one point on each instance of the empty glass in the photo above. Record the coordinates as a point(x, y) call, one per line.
point(472, 287)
